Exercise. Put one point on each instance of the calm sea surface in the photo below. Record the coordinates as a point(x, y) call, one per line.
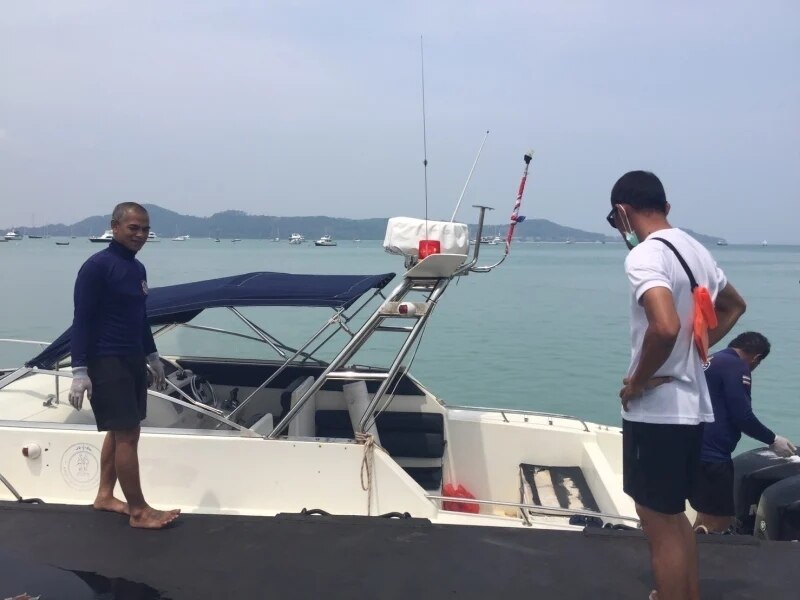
point(548, 330)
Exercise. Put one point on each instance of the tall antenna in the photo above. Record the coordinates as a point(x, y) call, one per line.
point(424, 131)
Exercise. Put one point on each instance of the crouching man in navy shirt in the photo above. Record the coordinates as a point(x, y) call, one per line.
point(729, 379)
point(112, 345)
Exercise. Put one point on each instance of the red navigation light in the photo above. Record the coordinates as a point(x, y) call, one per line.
point(428, 247)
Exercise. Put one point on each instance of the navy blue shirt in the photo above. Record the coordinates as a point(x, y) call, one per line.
point(110, 317)
point(729, 382)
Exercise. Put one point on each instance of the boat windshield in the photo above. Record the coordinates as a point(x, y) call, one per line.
point(222, 333)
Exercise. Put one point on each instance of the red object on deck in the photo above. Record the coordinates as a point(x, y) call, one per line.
point(459, 492)
point(428, 247)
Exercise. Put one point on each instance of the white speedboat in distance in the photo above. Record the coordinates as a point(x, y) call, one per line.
point(325, 240)
point(13, 236)
point(181, 238)
point(722, 242)
point(295, 430)
point(296, 238)
point(109, 235)
point(106, 237)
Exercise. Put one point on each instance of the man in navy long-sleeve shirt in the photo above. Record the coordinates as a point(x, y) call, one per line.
point(729, 378)
point(111, 347)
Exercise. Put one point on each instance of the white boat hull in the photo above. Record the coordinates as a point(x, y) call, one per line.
point(233, 472)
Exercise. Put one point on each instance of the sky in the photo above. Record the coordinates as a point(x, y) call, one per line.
point(315, 108)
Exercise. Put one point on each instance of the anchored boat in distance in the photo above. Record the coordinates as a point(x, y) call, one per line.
point(325, 240)
point(107, 236)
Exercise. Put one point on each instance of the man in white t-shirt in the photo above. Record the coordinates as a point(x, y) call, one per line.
point(665, 399)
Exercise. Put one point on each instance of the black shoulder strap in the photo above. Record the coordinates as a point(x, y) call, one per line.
point(692, 280)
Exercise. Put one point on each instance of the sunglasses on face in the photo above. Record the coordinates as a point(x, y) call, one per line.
point(612, 217)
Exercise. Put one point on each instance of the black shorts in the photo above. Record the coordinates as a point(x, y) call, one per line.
point(119, 391)
point(659, 464)
point(713, 493)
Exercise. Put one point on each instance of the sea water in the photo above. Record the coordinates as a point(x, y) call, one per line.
point(548, 330)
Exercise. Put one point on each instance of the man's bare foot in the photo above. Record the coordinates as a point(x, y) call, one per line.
point(111, 504)
point(150, 518)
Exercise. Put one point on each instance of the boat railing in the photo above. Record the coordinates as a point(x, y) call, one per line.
point(20, 372)
point(471, 266)
point(537, 508)
point(524, 413)
point(17, 341)
point(51, 399)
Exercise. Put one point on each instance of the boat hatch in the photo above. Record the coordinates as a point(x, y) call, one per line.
point(565, 487)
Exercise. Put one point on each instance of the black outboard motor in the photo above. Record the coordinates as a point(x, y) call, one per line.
point(754, 472)
point(778, 515)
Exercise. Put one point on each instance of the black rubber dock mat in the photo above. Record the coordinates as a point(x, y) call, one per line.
point(293, 556)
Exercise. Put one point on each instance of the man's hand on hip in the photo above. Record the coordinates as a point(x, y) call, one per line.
point(631, 390)
point(80, 384)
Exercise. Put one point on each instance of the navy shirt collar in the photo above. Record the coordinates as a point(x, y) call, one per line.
point(121, 250)
point(733, 354)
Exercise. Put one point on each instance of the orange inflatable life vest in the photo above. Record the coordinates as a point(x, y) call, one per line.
point(459, 492)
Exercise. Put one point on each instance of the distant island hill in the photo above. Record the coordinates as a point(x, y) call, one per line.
point(238, 224)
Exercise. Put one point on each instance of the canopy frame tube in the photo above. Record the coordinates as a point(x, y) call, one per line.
point(340, 318)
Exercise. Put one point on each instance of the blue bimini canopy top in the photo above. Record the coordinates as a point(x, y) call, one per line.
point(183, 302)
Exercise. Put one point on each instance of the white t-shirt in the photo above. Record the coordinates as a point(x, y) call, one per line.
point(684, 400)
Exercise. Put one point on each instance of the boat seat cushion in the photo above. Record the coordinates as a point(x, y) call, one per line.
point(406, 434)
point(286, 395)
point(403, 435)
point(264, 425)
point(429, 478)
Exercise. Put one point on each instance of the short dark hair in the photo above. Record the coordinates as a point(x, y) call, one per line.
point(751, 342)
point(123, 207)
point(641, 190)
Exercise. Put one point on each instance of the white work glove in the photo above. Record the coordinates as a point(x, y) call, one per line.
point(80, 384)
point(783, 447)
point(157, 368)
